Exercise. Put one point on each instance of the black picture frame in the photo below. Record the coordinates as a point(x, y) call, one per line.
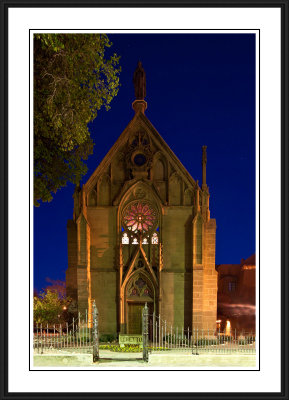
point(283, 5)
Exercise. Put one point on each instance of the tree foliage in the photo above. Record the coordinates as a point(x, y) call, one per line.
point(49, 308)
point(73, 80)
point(58, 286)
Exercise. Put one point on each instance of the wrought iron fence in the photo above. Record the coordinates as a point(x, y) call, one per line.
point(167, 337)
point(81, 334)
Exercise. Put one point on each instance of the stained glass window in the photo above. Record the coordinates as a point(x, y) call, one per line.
point(140, 283)
point(140, 217)
point(125, 239)
point(145, 241)
point(155, 238)
point(135, 241)
point(139, 287)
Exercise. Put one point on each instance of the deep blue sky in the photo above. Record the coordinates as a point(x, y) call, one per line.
point(200, 91)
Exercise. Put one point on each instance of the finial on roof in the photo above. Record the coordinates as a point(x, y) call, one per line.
point(139, 81)
point(204, 163)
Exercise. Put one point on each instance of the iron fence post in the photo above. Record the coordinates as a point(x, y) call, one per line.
point(145, 333)
point(37, 338)
point(41, 338)
point(193, 339)
point(154, 326)
point(95, 333)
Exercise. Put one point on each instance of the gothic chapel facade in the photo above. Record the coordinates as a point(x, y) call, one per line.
point(142, 233)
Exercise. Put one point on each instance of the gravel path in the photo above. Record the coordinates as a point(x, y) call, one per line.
point(110, 359)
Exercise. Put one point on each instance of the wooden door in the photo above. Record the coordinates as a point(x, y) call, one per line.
point(135, 318)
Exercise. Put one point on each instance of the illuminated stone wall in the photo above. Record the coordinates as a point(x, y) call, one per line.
point(179, 269)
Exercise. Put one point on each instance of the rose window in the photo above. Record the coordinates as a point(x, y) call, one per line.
point(140, 217)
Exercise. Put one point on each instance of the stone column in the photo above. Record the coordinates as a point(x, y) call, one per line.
point(83, 265)
point(197, 276)
point(210, 277)
point(71, 272)
point(121, 327)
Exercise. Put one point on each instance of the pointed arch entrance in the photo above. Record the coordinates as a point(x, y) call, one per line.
point(139, 290)
point(139, 223)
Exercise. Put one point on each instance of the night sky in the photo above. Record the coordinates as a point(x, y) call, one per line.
point(200, 91)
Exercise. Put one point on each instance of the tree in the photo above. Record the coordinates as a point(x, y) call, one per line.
point(58, 286)
point(49, 308)
point(73, 80)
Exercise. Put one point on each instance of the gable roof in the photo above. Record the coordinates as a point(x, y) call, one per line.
point(139, 121)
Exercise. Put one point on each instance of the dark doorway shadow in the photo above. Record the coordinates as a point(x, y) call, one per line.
point(108, 359)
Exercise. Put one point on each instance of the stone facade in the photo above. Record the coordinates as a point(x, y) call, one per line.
point(142, 232)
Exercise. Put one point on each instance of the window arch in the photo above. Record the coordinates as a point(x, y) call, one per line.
point(159, 170)
point(103, 190)
point(139, 286)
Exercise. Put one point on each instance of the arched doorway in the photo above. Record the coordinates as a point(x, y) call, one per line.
point(139, 290)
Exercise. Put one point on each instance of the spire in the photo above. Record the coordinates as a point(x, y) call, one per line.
point(139, 81)
point(197, 197)
point(205, 189)
point(204, 166)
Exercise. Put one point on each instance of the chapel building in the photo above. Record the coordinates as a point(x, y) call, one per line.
point(142, 233)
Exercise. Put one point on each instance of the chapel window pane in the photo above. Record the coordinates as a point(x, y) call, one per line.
point(125, 239)
point(155, 239)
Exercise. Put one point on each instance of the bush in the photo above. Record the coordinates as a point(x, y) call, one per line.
point(223, 339)
point(132, 348)
point(172, 338)
point(206, 342)
point(49, 308)
point(107, 338)
point(151, 348)
point(248, 340)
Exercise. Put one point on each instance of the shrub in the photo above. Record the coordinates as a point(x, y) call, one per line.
point(133, 348)
point(106, 338)
point(156, 348)
point(48, 308)
point(206, 342)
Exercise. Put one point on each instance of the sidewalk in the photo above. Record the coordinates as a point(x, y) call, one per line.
point(134, 360)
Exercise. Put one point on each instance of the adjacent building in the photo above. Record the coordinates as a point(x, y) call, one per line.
point(237, 295)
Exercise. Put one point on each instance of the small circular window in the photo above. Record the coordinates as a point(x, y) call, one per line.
point(139, 159)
